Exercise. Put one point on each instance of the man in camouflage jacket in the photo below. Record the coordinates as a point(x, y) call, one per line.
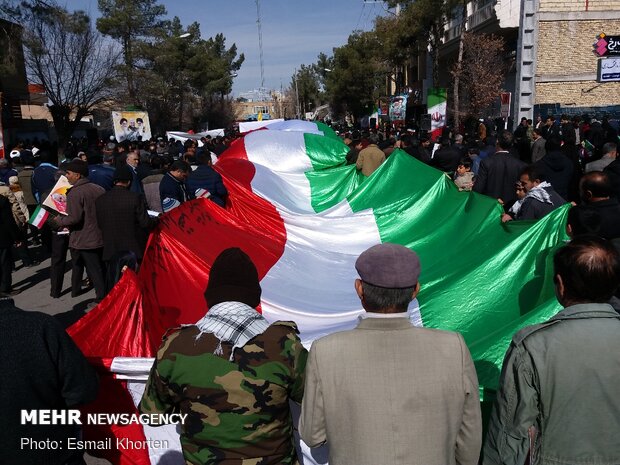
point(232, 373)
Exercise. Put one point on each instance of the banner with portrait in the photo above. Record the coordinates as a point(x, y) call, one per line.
point(57, 198)
point(398, 108)
point(132, 126)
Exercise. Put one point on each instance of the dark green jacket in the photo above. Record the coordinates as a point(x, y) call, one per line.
point(563, 378)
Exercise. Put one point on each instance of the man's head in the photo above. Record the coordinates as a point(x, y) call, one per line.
point(76, 169)
point(595, 186)
point(122, 176)
point(233, 277)
point(388, 278)
point(537, 133)
point(190, 153)
point(524, 121)
point(505, 139)
point(204, 158)
point(586, 270)
point(133, 159)
point(550, 120)
point(108, 157)
point(531, 176)
point(610, 149)
point(180, 170)
point(4, 163)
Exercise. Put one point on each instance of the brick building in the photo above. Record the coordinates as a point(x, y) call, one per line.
point(557, 70)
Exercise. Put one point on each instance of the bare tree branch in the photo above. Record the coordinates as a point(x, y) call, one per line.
point(72, 61)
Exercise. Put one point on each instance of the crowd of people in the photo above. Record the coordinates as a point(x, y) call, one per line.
point(385, 392)
point(117, 192)
point(530, 171)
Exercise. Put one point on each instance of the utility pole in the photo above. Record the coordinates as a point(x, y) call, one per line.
point(260, 46)
point(297, 95)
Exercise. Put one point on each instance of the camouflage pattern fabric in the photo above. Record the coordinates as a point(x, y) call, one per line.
point(238, 412)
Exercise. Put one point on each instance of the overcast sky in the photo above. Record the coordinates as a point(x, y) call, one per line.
point(294, 31)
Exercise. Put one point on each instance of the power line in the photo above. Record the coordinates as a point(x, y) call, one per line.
point(360, 18)
point(374, 4)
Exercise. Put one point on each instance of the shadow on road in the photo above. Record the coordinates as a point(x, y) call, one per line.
point(38, 277)
point(78, 311)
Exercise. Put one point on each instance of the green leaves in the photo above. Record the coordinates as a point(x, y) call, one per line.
point(354, 82)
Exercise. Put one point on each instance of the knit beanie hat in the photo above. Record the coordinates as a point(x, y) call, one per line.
point(78, 166)
point(233, 277)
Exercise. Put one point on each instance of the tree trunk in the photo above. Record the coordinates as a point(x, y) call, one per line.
point(128, 58)
point(64, 125)
point(457, 75)
point(435, 44)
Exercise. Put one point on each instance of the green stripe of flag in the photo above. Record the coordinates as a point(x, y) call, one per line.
point(39, 216)
point(480, 277)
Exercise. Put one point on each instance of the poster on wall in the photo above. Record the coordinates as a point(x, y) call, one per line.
point(436, 103)
point(398, 108)
point(132, 126)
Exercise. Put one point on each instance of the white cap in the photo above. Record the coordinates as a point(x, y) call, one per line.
point(35, 150)
point(14, 154)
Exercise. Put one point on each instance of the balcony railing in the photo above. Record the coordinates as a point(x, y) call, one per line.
point(480, 16)
point(453, 32)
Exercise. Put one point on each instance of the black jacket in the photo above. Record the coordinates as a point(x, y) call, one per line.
point(533, 209)
point(446, 159)
point(41, 368)
point(205, 177)
point(9, 232)
point(124, 223)
point(603, 218)
point(558, 171)
point(613, 171)
point(497, 176)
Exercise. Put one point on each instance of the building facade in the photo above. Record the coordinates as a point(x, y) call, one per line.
point(557, 62)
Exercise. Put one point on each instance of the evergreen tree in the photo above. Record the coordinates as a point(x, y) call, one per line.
point(131, 22)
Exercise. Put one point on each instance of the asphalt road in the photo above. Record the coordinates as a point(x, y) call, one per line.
point(34, 284)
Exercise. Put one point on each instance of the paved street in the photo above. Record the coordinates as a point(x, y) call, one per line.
point(35, 286)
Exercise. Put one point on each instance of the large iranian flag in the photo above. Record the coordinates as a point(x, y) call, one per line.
point(304, 217)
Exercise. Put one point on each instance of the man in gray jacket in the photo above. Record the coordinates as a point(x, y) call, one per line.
point(85, 241)
point(558, 397)
point(387, 392)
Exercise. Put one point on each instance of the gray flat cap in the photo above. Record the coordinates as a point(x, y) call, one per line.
point(389, 265)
